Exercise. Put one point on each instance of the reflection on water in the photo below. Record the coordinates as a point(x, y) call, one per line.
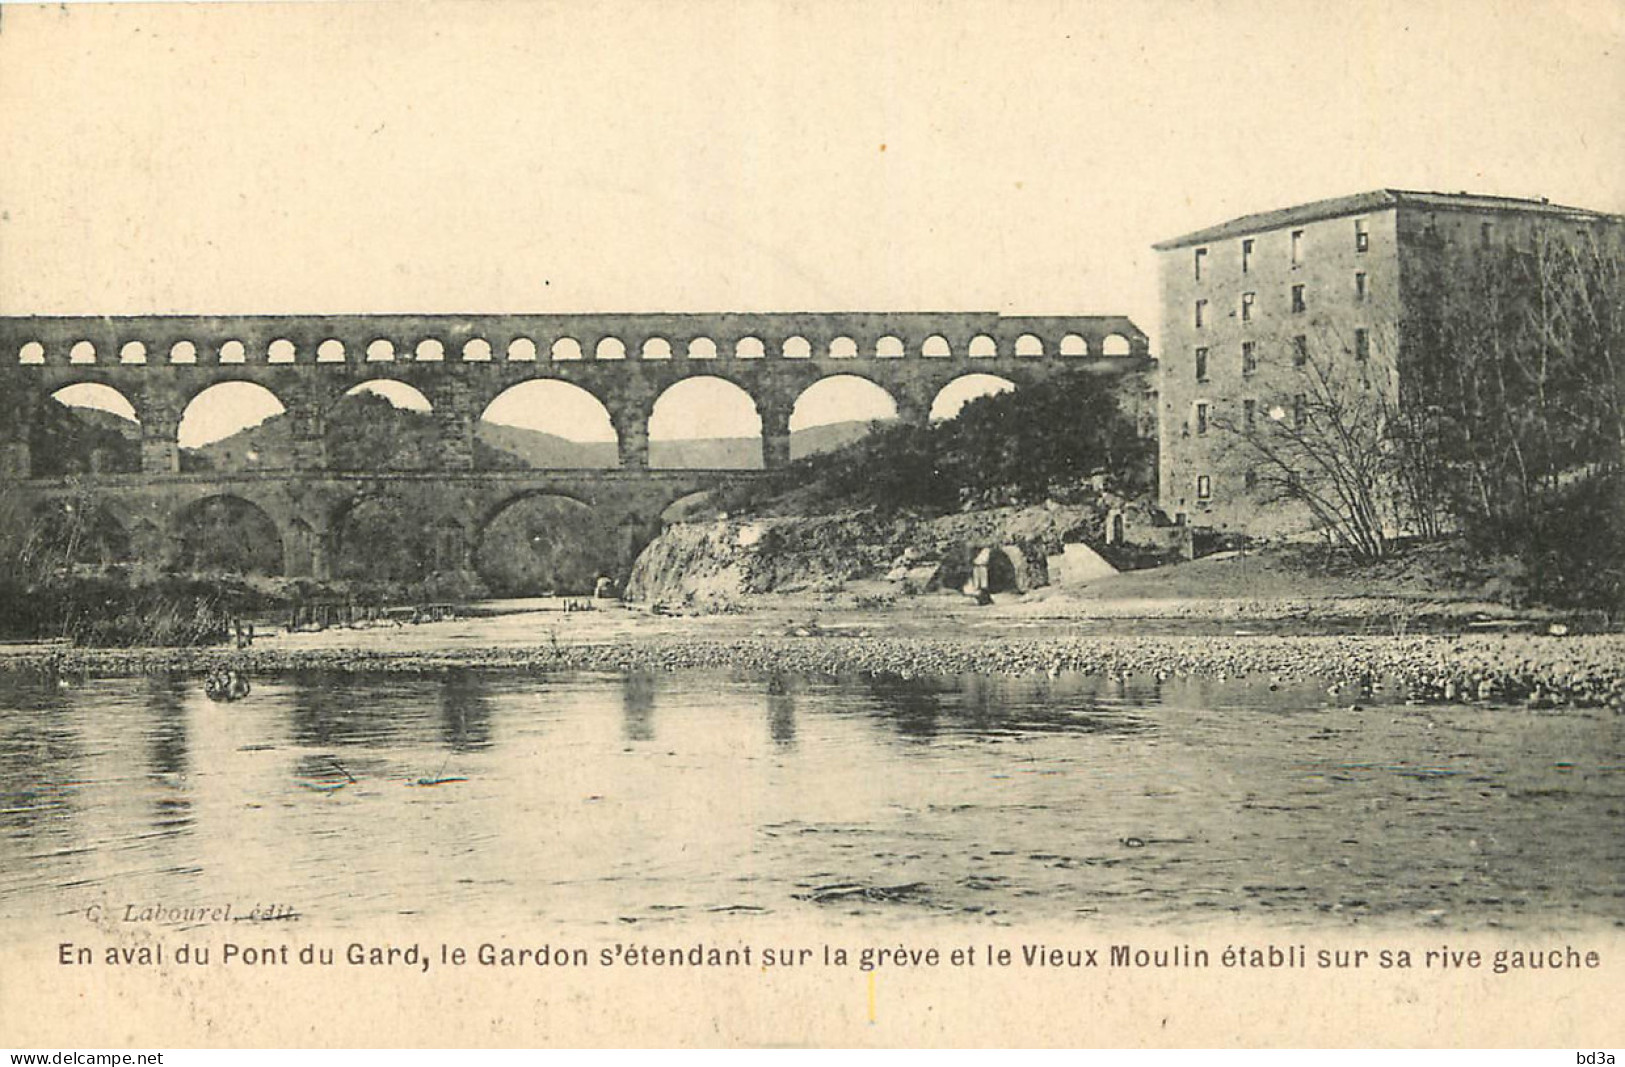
point(637, 707)
point(650, 797)
point(781, 711)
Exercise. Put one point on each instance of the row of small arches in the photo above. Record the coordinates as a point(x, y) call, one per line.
point(565, 349)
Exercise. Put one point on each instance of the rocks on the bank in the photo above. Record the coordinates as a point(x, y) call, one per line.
point(1527, 670)
point(702, 564)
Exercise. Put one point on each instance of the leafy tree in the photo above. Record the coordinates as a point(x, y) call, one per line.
point(384, 538)
point(1019, 446)
point(1008, 448)
point(546, 544)
point(365, 431)
point(230, 535)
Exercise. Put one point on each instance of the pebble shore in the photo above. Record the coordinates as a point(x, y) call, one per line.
point(1510, 669)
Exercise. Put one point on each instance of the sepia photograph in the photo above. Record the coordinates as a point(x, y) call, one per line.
point(746, 523)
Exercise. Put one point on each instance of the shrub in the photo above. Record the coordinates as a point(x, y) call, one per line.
point(1011, 448)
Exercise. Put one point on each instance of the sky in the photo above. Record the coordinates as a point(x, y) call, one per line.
point(696, 155)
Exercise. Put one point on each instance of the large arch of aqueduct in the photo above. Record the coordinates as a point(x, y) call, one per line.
point(461, 363)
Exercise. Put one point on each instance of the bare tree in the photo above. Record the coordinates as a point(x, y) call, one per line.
point(1517, 381)
point(1480, 403)
point(1319, 436)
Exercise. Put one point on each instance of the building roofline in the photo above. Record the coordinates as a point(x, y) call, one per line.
point(1375, 200)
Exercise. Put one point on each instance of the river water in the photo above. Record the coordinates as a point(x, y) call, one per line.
point(615, 799)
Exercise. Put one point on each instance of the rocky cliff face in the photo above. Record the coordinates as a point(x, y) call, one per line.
point(712, 565)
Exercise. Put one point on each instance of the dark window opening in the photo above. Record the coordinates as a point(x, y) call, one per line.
point(1201, 418)
point(1201, 258)
point(1201, 364)
point(1249, 357)
point(1247, 306)
point(1298, 304)
point(1300, 350)
point(1249, 413)
point(1359, 285)
point(1204, 487)
point(1246, 255)
point(1362, 344)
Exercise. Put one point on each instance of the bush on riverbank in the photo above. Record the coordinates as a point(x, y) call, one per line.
point(1013, 448)
point(124, 607)
point(112, 610)
point(1575, 558)
point(136, 617)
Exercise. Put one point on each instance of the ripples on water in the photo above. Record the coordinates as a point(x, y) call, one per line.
point(602, 799)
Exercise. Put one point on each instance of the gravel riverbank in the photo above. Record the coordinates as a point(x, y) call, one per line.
point(1523, 669)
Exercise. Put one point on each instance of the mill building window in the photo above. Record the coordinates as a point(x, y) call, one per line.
point(1249, 357)
point(1249, 413)
point(1201, 313)
point(1300, 350)
point(1247, 306)
point(1201, 417)
point(1201, 364)
point(1297, 247)
point(1298, 304)
point(1362, 237)
point(1362, 344)
point(1246, 255)
point(1204, 487)
point(1359, 285)
point(1201, 259)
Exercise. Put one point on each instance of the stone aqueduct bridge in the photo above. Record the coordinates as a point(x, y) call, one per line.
point(460, 363)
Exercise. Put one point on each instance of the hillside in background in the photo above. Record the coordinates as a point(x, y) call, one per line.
point(266, 446)
point(815, 440)
point(548, 451)
point(73, 440)
point(537, 449)
point(373, 434)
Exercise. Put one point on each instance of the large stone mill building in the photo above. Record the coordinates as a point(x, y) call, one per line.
point(1248, 303)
